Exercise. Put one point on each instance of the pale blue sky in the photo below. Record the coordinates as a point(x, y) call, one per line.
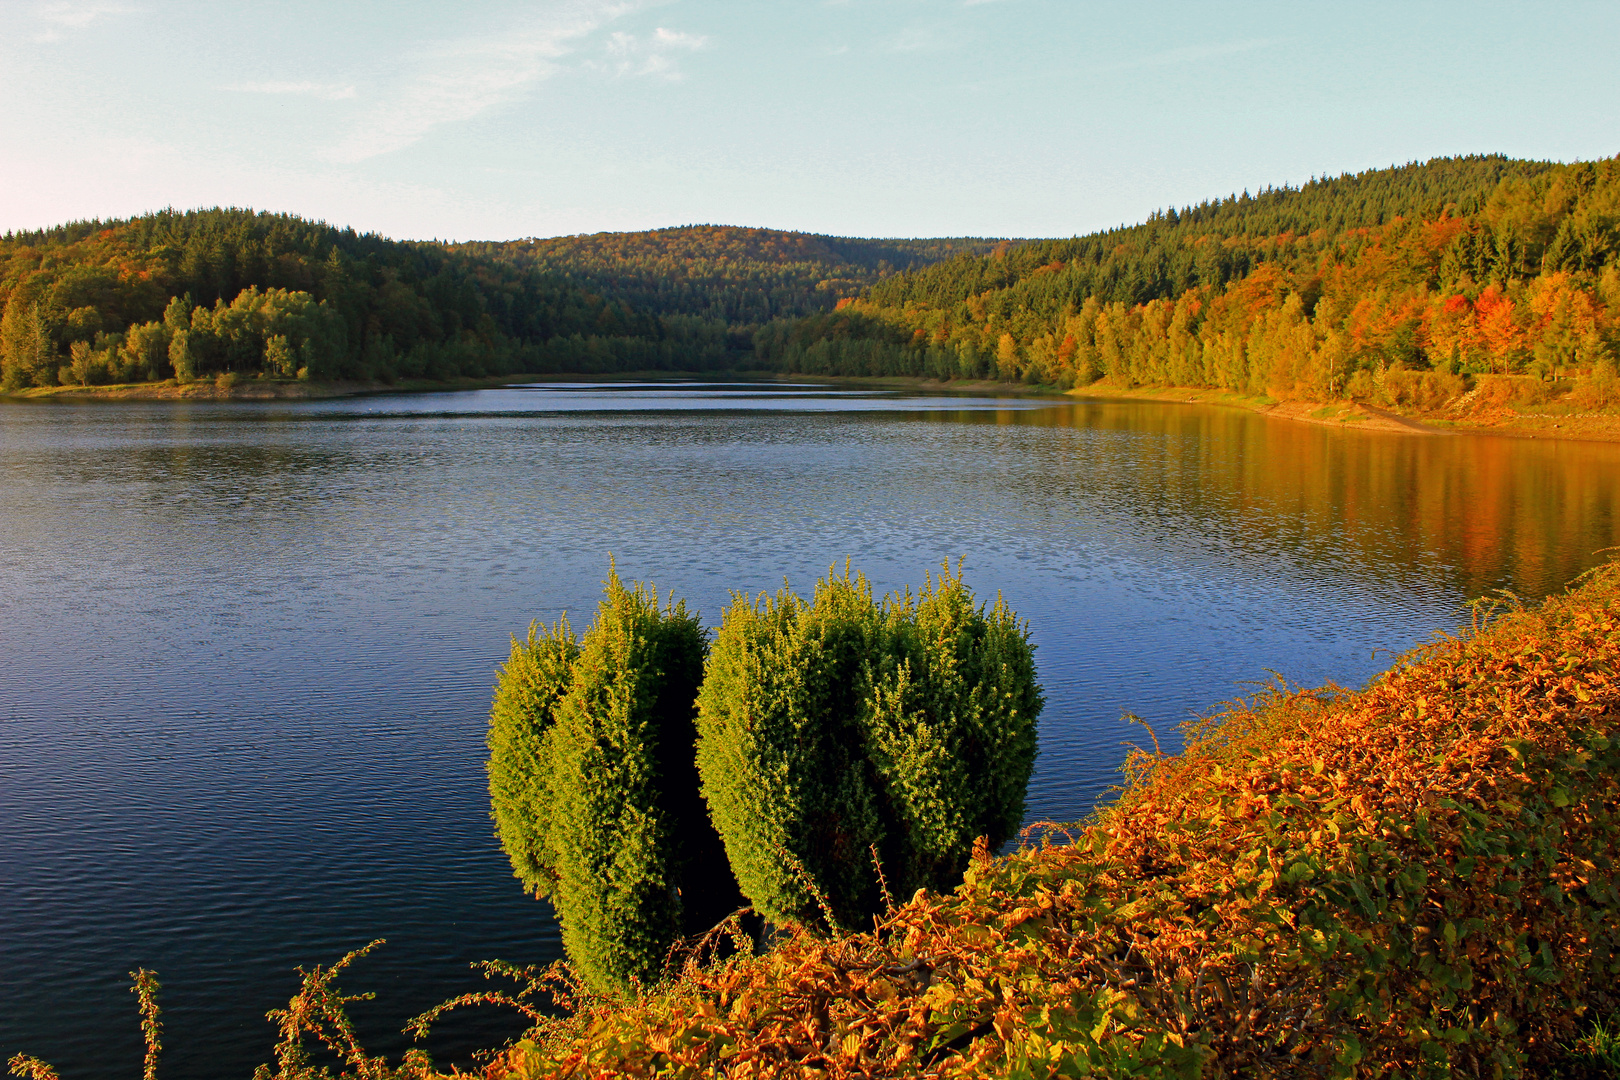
point(499, 119)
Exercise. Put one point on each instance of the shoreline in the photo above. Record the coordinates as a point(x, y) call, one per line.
point(1337, 414)
point(307, 390)
point(1501, 421)
point(1344, 415)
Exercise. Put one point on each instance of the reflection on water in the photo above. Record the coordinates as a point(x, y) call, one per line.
point(1484, 512)
point(247, 649)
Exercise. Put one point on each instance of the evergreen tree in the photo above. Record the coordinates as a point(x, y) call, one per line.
point(950, 728)
point(780, 751)
point(840, 734)
point(536, 676)
point(27, 356)
point(595, 787)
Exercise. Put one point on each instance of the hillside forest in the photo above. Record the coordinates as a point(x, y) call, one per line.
point(1396, 284)
point(199, 294)
point(1399, 285)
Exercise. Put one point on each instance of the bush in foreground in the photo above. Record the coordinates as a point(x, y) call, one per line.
point(850, 748)
point(595, 789)
point(1415, 880)
point(780, 755)
point(950, 728)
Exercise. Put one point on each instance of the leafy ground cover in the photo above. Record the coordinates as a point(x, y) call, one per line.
point(1416, 879)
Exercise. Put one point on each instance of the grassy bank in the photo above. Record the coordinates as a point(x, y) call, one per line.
point(1497, 405)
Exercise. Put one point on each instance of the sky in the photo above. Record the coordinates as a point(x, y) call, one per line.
point(495, 119)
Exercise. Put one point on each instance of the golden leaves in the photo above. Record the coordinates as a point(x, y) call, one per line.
point(1423, 871)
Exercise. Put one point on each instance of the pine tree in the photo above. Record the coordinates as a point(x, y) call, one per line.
point(27, 354)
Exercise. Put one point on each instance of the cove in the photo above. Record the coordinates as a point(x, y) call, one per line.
point(247, 649)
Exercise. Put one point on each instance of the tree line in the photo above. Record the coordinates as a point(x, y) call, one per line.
point(1397, 283)
point(98, 302)
point(257, 294)
point(817, 759)
point(741, 277)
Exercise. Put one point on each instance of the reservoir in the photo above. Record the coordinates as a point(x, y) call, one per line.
point(247, 649)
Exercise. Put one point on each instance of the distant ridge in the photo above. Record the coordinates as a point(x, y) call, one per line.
point(739, 274)
point(1449, 268)
point(1392, 286)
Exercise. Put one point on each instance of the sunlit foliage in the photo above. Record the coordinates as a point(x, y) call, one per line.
point(1406, 286)
point(1417, 879)
point(851, 748)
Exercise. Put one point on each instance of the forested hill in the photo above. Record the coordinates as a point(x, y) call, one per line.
point(203, 293)
point(195, 294)
point(745, 276)
point(1399, 285)
point(1215, 241)
point(1392, 285)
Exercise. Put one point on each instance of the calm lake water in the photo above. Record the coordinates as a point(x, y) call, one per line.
point(246, 651)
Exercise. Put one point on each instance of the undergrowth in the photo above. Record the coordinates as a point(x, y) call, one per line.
point(1414, 880)
point(1417, 879)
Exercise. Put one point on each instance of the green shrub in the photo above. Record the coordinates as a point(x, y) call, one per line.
point(536, 676)
point(839, 729)
point(780, 750)
point(950, 730)
point(595, 788)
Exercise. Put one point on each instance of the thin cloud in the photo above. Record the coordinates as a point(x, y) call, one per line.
point(465, 78)
point(921, 39)
point(651, 55)
point(325, 91)
point(60, 17)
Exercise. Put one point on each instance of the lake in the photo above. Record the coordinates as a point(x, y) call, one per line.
point(246, 650)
